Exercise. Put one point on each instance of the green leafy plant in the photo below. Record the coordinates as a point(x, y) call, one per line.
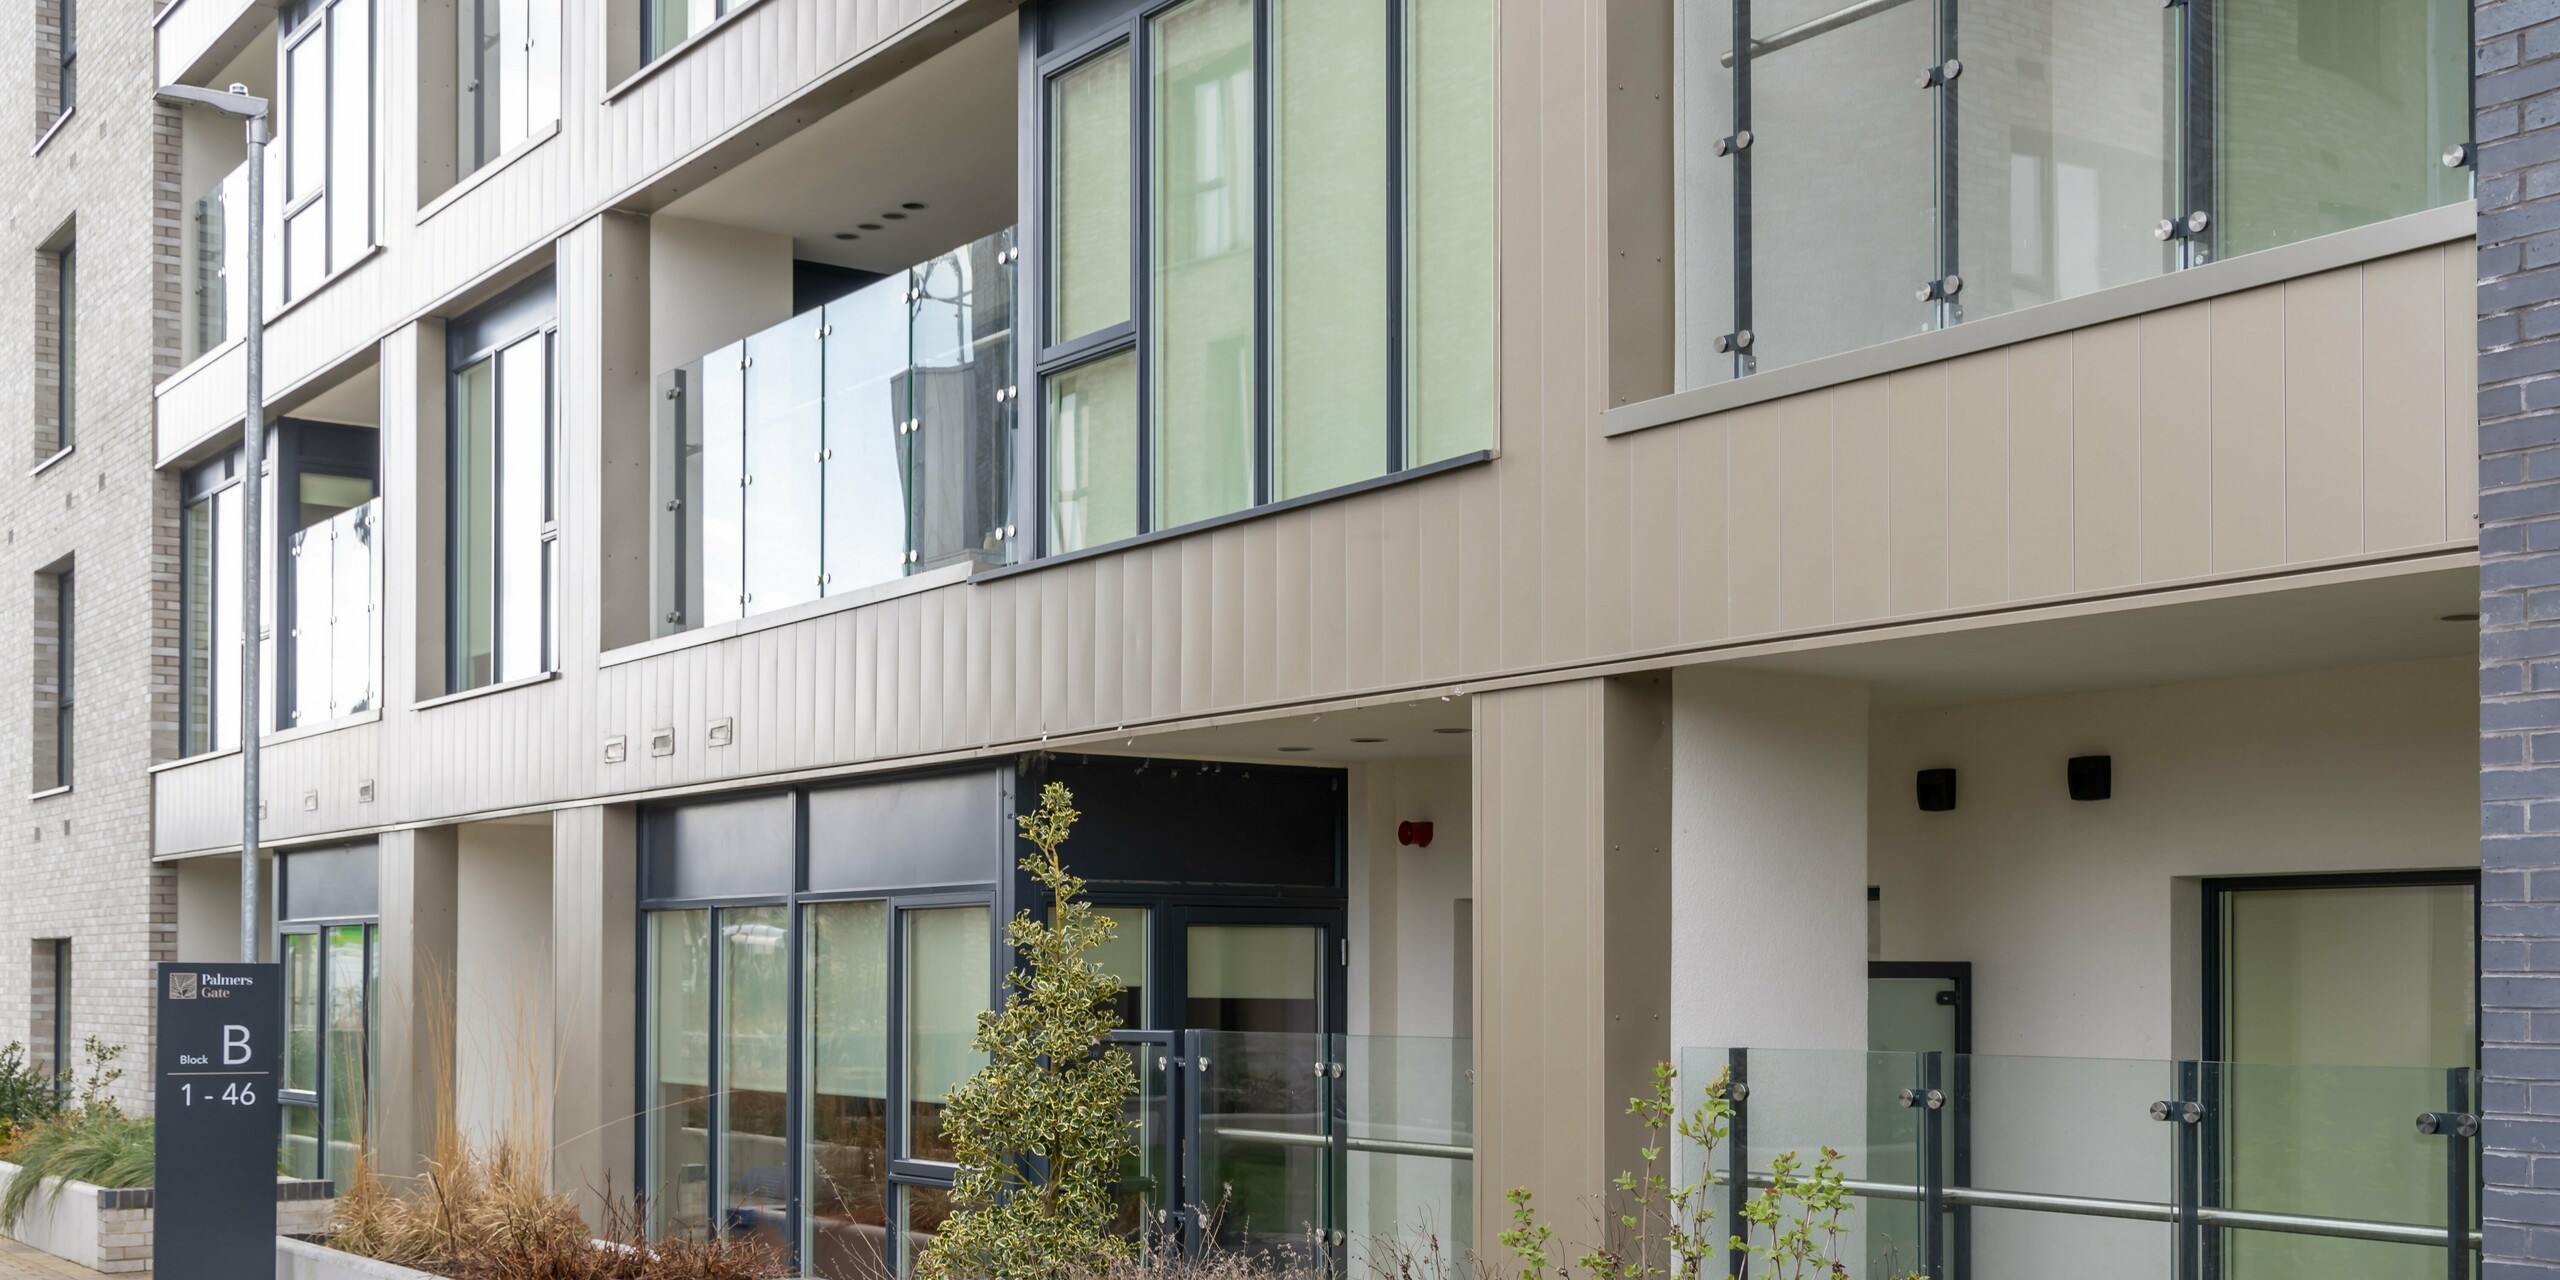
point(28, 1097)
point(95, 1142)
point(1041, 1132)
point(1654, 1227)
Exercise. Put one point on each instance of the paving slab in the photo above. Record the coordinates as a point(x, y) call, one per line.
point(18, 1262)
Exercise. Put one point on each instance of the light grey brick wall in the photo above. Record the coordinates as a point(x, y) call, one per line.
point(77, 864)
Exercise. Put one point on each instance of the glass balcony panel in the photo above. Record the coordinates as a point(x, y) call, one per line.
point(2329, 1142)
point(1843, 182)
point(722, 562)
point(2067, 1126)
point(314, 579)
point(1409, 1138)
point(866, 475)
point(785, 378)
point(1803, 1102)
point(2333, 117)
point(2065, 157)
point(350, 150)
point(224, 614)
point(960, 371)
point(1264, 1139)
point(355, 640)
point(216, 258)
point(524, 507)
point(1702, 197)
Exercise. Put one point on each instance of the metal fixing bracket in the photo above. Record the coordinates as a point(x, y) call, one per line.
point(2186, 228)
point(1740, 141)
point(1727, 343)
point(1939, 291)
point(2183, 1112)
point(1941, 74)
point(2455, 1124)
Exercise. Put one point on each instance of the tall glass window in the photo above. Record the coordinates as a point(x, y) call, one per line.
point(508, 83)
point(1309, 198)
point(328, 122)
point(502, 528)
point(66, 84)
point(53, 767)
point(66, 362)
point(332, 974)
point(816, 965)
point(211, 556)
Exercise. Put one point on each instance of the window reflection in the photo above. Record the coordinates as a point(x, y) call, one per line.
point(948, 976)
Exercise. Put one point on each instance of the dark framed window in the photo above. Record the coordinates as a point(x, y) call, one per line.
point(329, 939)
point(1233, 202)
point(209, 617)
point(66, 361)
point(328, 595)
point(328, 125)
point(800, 1028)
point(664, 24)
point(50, 995)
point(68, 85)
point(502, 530)
point(65, 620)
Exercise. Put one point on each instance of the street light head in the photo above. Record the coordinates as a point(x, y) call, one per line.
point(237, 102)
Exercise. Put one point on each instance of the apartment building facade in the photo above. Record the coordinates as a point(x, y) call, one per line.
point(1968, 565)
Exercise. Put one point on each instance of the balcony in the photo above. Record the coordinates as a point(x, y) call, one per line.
point(852, 445)
point(216, 256)
point(1826, 193)
point(336, 636)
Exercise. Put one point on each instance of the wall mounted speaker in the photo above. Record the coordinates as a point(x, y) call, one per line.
point(1937, 790)
point(2091, 777)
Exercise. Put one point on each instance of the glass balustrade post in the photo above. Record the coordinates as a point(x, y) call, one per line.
point(2459, 1126)
point(1932, 1103)
point(1737, 1192)
point(1191, 1062)
point(2183, 1110)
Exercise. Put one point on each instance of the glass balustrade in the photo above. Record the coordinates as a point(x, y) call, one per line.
point(849, 446)
point(2111, 1169)
point(336, 628)
point(215, 259)
point(1855, 171)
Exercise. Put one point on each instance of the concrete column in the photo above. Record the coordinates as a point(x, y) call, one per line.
point(1573, 920)
point(2517, 130)
point(414, 1079)
point(1769, 861)
point(595, 963)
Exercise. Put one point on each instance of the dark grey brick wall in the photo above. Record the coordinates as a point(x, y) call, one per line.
point(2517, 125)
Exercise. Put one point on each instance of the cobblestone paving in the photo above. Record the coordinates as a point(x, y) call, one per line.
point(18, 1262)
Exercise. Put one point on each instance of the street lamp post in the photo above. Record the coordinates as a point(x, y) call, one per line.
point(253, 448)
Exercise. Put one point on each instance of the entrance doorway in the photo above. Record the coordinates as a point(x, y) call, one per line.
point(2330, 997)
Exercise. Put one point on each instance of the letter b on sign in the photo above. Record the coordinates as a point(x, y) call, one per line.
point(235, 1044)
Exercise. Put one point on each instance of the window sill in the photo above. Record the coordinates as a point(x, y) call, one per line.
point(654, 65)
point(283, 309)
point(2347, 248)
point(50, 792)
point(472, 181)
point(46, 139)
point(945, 576)
point(484, 691)
point(48, 464)
point(1406, 476)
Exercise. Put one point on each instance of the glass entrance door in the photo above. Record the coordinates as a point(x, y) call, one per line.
point(2340, 1009)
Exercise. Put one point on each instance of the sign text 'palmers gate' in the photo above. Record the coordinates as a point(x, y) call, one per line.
point(218, 1062)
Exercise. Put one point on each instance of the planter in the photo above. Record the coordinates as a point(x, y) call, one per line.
point(301, 1260)
point(110, 1230)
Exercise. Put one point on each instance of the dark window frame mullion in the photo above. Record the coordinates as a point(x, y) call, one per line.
point(64, 603)
point(1142, 62)
point(1398, 411)
point(1946, 176)
point(1743, 364)
point(1265, 94)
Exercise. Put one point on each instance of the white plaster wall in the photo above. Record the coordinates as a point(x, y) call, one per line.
point(2082, 919)
point(2070, 912)
point(1407, 1071)
point(1768, 861)
point(710, 285)
point(209, 907)
point(502, 990)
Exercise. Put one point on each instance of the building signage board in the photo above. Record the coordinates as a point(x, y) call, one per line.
point(219, 1061)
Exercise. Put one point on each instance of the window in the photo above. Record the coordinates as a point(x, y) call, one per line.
point(209, 584)
point(502, 534)
point(328, 122)
point(1309, 211)
point(329, 937)
point(664, 24)
point(814, 966)
point(509, 75)
point(49, 1009)
point(57, 349)
point(70, 56)
point(54, 618)
point(327, 595)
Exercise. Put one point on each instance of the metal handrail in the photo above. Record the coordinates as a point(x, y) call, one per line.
point(1369, 1146)
point(1810, 28)
point(2152, 1211)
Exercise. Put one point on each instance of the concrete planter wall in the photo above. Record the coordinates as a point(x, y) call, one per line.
point(299, 1260)
point(110, 1231)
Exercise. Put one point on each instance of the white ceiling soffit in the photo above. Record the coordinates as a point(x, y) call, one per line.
point(2398, 618)
point(941, 135)
point(355, 401)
